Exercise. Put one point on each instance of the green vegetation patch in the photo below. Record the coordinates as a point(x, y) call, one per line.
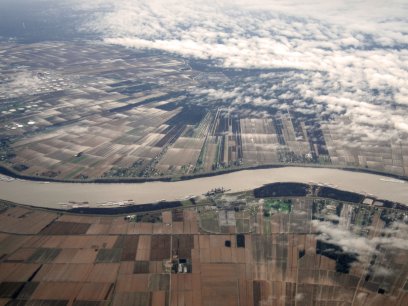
point(270, 205)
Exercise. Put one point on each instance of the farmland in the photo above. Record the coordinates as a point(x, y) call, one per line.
point(118, 113)
point(223, 250)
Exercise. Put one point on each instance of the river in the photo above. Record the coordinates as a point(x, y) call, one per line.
point(53, 194)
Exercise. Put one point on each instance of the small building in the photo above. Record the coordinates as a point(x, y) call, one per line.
point(181, 266)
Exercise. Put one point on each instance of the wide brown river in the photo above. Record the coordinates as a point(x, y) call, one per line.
point(53, 194)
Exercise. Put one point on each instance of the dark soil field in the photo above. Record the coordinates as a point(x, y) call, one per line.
point(65, 228)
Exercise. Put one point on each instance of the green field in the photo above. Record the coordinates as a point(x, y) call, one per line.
point(282, 206)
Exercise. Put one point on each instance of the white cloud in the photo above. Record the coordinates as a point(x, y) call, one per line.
point(351, 57)
point(383, 271)
point(21, 83)
point(363, 246)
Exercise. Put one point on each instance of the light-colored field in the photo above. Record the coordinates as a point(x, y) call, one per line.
point(259, 141)
point(103, 147)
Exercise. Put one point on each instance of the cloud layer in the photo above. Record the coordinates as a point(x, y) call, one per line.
point(350, 58)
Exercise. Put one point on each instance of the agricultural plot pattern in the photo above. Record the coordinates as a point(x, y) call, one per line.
point(240, 249)
point(70, 112)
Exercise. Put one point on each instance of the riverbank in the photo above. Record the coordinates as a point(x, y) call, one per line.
point(4, 170)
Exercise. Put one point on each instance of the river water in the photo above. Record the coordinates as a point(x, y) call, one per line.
point(53, 194)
